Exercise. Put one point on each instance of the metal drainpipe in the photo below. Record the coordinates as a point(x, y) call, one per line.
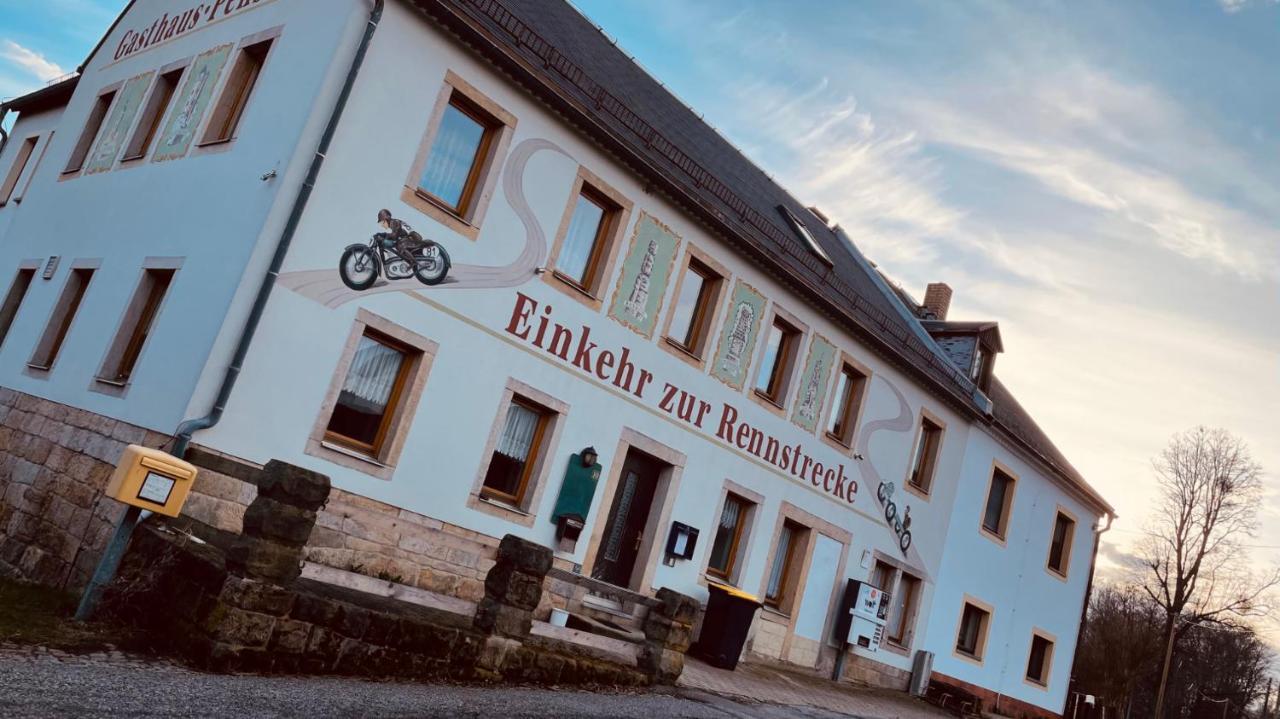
point(182, 436)
point(1084, 610)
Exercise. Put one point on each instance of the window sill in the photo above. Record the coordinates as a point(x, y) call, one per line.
point(39, 367)
point(574, 285)
point(1060, 576)
point(215, 143)
point(354, 454)
point(682, 349)
point(917, 490)
point(112, 382)
point(505, 506)
point(837, 440)
point(891, 646)
point(992, 536)
point(972, 658)
point(767, 610)
point(765, 397)
point(438, 211)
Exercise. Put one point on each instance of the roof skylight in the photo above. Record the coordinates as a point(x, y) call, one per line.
point(804, 234)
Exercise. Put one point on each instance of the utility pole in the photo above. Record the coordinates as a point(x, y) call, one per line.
point(1164, 672)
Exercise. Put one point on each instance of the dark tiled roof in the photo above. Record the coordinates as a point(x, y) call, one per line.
point(563, 58)
point(566, 57)
point(55, 95)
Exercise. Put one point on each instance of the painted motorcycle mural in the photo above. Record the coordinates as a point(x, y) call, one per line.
point(398, 254)
point(901, 525)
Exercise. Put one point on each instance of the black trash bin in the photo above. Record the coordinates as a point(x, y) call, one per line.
point(725, 625)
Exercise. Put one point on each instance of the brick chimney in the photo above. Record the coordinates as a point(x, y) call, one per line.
point(937, 300)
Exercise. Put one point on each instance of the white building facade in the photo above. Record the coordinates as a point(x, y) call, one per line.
point(620, 279)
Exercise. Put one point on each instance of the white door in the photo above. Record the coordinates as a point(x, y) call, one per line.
point(814, 603)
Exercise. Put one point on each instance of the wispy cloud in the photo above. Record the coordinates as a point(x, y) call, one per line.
point(30, 61)
point(1235, 6)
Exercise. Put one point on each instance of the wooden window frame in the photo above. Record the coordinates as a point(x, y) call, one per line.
point(1006, 511)
point(467, 218)
point(402, 405)
point(984, 631)
point(154, 111)
point(31, 176)
point(16, 295)
point(141, 312)
point(61, 319)
point(754, 501)
point(520, 510)
point(1046, 668)
point(229, 111)
point(537, 448)
point(608, 242)
point(911, 614)
point(698, 355)
point(852, 408)
point(775, 400)
point(98, 114)
point(906, 622)
point(746, 507)
point(927, 418)
point(1064, 571)
point(375, 448)
point(19, 166)
point(785, 600)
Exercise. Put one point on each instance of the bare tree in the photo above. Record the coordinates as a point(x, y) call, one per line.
point(1194, 567)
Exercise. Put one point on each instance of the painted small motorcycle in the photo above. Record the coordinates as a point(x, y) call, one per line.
point(398, 253)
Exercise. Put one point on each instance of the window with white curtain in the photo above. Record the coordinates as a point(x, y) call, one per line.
point(366, 402)
point(724, 548)
point(516, 451)
point(457, 155)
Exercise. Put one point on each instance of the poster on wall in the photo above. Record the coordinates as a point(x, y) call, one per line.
point(646, 270)
point(192, 102)
point(118, 123)
point(813, 383)
point(738, 338)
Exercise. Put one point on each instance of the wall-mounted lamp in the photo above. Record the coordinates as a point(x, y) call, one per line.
point(588, 456)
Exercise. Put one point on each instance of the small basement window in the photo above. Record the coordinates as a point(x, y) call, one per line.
point(800, 229)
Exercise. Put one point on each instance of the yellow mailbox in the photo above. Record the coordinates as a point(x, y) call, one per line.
point(152, 479)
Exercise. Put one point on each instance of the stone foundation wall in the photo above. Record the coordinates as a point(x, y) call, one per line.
point(1002, 705)
point(861, 670)
point(55, 461)
point(357, 534)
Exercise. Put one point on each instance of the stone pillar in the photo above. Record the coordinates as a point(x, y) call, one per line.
point(668, 631)
point(513, 588)
point(278, 523)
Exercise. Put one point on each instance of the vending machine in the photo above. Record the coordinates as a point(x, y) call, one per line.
point(864, 612)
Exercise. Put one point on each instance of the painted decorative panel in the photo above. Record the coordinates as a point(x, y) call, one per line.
point(813, 383)
point(193, 100)
point(646, 271)
point(738, 338)
point(116, 128)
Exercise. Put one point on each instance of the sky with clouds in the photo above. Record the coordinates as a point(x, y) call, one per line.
point(1101, 178)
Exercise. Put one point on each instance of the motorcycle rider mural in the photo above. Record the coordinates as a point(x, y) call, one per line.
point(397, 254)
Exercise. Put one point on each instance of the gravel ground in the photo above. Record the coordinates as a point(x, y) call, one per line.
point(36, 682)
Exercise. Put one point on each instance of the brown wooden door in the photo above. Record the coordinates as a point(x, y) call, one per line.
point(624, 531)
